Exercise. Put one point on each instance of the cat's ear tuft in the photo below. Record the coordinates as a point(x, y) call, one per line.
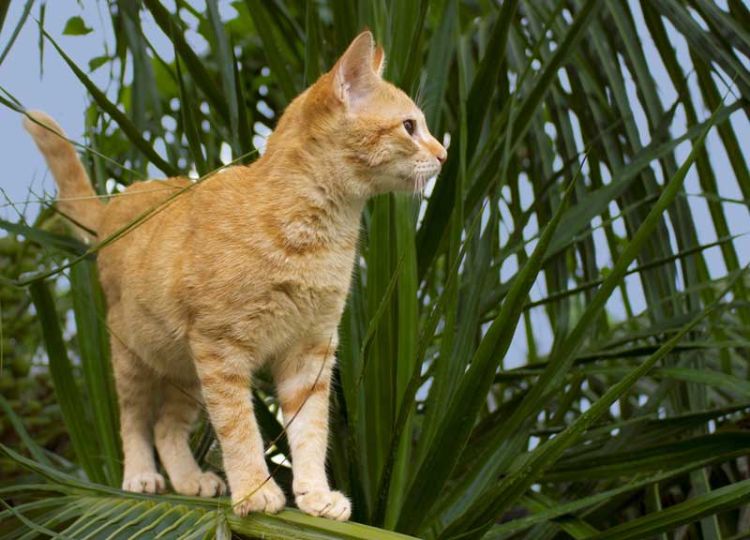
point(354, 77)
point(378, 61)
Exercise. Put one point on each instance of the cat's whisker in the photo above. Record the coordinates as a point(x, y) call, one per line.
point(418, 98)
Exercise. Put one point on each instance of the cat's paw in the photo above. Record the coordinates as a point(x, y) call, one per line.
point(204, 484)
point(324, 503)
point(144, 482)
point(267, 498)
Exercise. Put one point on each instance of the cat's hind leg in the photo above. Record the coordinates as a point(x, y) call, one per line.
point(181, 404)
point(137, 396)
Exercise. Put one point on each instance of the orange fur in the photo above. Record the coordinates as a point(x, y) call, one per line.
point(78, 200)
point(251, 266)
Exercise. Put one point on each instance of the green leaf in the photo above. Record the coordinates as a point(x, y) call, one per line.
point(533, 464)
point(93, 342)
point(171, 27)
point(716, 501)
point(706, 449)
point(101, 511)
point(561, 360)
point(44, 238)
point(76, 27)
point(34, 449)
point(117, 115)
point(578, 505)
point(17, 30)
point(68, 393)
point(274, 47)
point(99, 61)
point(454, 429)
point(3, 11)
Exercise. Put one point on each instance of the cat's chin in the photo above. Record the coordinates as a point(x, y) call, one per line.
point(417, 185)
point(413, 183)
point(410, 187)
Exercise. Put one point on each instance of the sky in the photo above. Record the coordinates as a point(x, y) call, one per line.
point(58, 92)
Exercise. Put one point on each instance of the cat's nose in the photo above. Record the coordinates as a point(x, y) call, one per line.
point(437, 150)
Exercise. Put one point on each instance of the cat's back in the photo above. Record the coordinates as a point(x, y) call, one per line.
point(138, 199)
point(139, 223)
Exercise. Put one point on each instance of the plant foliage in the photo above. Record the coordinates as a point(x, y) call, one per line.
point(537, 349)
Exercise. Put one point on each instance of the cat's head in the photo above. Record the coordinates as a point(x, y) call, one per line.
point(375, 126)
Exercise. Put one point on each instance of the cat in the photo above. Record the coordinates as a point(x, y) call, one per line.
point(252, 266)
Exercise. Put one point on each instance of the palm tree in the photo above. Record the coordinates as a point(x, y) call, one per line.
point(540, 348)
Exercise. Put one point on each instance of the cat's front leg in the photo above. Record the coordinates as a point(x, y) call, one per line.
point(225, 375)
point(303, 382)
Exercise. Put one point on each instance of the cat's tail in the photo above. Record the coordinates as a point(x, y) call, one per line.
point(77, 199)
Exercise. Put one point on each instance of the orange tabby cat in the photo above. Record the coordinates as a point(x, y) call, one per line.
point(252, 266)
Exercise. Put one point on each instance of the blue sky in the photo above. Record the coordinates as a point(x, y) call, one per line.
point(59, 93)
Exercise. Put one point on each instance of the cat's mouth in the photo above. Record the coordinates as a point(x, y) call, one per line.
point(422, 175)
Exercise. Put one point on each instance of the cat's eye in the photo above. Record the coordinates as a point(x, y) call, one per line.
point(409, 126)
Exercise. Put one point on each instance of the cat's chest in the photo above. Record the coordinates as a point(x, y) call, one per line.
point(302, 302)
point(317, 280)
point(300, 309)
point(268, 291)
point(311, 289)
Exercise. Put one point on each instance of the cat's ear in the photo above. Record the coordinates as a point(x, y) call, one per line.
point(353, 75)
point(378, 61)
